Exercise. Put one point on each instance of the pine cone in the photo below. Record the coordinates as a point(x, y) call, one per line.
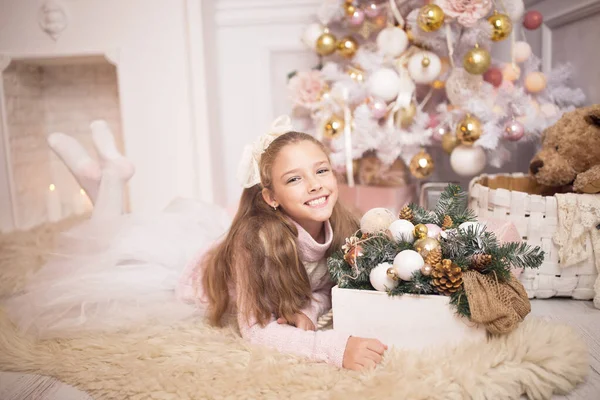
point(406, 213)
point(480, 261)
point(434, 257)
point(447, 224)
point(447, 277)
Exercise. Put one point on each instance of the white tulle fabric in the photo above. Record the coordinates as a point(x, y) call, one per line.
point(117, 273)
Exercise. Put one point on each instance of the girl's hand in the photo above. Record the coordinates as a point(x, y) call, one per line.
point(300, 320)
point(362, 353)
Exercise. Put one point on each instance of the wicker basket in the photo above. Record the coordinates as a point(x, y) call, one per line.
point(534, 212)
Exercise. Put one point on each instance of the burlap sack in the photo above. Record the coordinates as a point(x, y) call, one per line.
point(499, 306)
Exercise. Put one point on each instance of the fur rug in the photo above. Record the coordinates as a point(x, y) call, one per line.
point(194, 361)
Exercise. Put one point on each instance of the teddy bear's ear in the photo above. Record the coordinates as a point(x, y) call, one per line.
point(593, 117)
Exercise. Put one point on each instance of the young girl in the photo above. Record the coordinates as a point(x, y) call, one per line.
point(270, 268)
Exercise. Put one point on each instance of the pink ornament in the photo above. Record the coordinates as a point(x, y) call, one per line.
point(522, 51)
point(372, 9)
point(433, 231)
point(433, 121)
point(493, 76)
point(533, 19)
point(438, 132)
point(511, 72)
point(513, 130)
point(378, 108)
point(357, 17)
point(535, 82)
point(466, 12)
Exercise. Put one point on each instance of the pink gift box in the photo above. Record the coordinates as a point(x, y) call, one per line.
point(363, 198)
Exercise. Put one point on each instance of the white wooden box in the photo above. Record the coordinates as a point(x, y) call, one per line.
point(408, 321)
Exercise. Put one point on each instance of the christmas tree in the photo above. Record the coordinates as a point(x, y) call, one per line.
point(397, 77)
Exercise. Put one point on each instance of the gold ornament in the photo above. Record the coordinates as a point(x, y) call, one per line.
point(421, 165)
point(347, 46)
point(430, 18)
point(352, 254)
point(425, 62)
point(420, 231)
point(426, 245)
point(349, 9)
point(449, 142)
point(438, 84)
point(480, 261)
point(406, 213)
point(469, 130)
point(405, 116)
point(447, 223)
point(355, 73)
point(447, 277)
point(333, 127)
point(326, 44)
point(392, 274)
point(434, 257)
point(426, 270)
point(477, 60)
point(501, 26)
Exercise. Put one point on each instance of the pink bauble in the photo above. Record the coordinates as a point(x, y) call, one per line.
point(357, 17)
point(433, 121)
point(522, 51)
point(511, 72)
point(533, 19)
point(549, 110)
point(378, 108)
point(535, 82)
point(513, 130)
point(433, 231)
point(493, 76)
point(372, 9)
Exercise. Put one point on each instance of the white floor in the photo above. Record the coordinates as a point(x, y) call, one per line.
point(581, 315)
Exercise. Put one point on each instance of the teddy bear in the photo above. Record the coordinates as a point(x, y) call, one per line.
point(570, 152)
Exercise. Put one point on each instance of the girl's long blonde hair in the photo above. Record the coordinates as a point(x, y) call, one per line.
point(259, 254)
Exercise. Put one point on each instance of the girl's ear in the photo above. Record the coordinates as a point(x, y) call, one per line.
point(269, 198)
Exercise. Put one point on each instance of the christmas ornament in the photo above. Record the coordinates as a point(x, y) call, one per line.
point(357, 17)
point(349, 8)
point(449, 142)
point(424, 67)
point(501, 26)
point(461, 86)
point(480, 261)
point(379, 278)
point(535, 82)
point(511, 72)
point(355, 73)
point(426, 270)
point(373, 9)
point(493, 76)
point(513, 130)
point(392, 41)
point(468, 130)
point(376, 220)
point(426, 245)
point(521, 51)
point(421, 165)
point(474, 226)
point(311, 34)
point(434, 257)
point(384, 84)
point(352, 251)
point(378, 108)
point(447, 223)
point(447, 277)
point(420, 231)
point(533, 19)
point(402, 230)
point(326, 44)
point(430, 18)
point(433, 231)
point(391, 273)
point(549, 109)
point(333, 127)
point(406, 213)
point(477, 60)
point(406, 263)
point(468, 160)
point(347, 47)
point(405, 116)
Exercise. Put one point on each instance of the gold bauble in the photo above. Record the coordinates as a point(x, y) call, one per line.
point(420, 231)
point(426, 269)
point(421, 165)
point(355, 73)
point(405, 116)
point(347, 46)
point(333, 127)
point(349, 9)
point(477, 60)
point(449, 142)
point(430, 18)
point(392, 274)
point(326, 44)
point(469, 130)
point(501, 26)
point(426, 245)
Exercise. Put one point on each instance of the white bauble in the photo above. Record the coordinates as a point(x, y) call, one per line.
point(407, 262)
point(384, 84)
point(475, 226)
point(549, 110)
point(462, 86)
point(522, 51)
point(421, 73)
point(376, 220)
point(514, 9)
point(380, 279)
point(392, 41)
point(311, 34)
point(402, 229)
point(468, 160)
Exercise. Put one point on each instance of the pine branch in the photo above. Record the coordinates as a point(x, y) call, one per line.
point(423, 216)
point(522, 255)
point(453, 202)
point(461, 303)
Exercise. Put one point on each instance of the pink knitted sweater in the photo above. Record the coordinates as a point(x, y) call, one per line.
point(327, 346)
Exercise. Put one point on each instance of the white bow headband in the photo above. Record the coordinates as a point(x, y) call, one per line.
point(248, 173)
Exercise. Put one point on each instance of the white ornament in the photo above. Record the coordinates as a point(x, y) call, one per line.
point(402, 229)
point(514, 9)
point(549, 110)
point(407, 262)
point(462, 86)
point(468, 160)
point(475, 226)
point(522, 51)
point(380, 279)
point(311, 34)
point(384, 83)
point(376, 220)
point(422, 73)
point(392, 41)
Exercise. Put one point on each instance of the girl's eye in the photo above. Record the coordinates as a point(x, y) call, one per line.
point(322, 171)
point(294, 179)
